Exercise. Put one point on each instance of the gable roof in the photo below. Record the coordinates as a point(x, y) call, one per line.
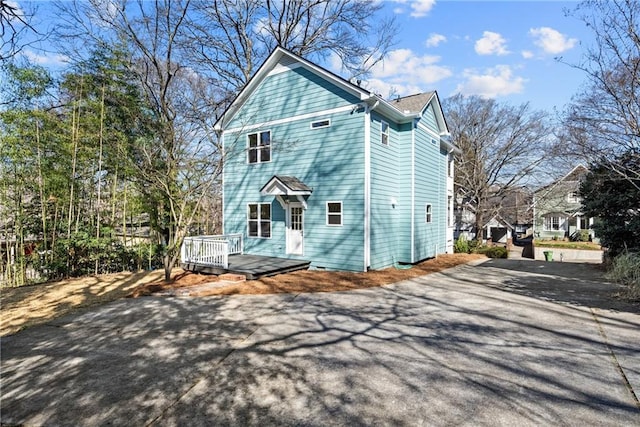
point(575, 175)
point(413, 103)
point(281, 57)
point(280, 185)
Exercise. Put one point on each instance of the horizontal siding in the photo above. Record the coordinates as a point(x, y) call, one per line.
point(288, 94)
point(430, 188)
point(385, 225)
point(404, 194)
point(330, 161)
point(429, 119)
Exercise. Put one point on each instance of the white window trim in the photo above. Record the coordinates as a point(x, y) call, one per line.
point(387, 133)
point(428, 213)
point(548, 218)
point(259, 220)
point(334, 213)
point(258, 147)
point(328, 121)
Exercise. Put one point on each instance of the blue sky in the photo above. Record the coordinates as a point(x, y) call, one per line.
point(502, 50)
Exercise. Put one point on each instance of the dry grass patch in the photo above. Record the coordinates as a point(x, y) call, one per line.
point(31, 305)
point(306, 281)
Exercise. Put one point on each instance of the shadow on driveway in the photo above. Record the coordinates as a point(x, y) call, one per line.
point(449, 348)
point(572, 283)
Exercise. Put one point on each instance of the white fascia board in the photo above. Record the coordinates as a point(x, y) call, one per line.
point(391, 112)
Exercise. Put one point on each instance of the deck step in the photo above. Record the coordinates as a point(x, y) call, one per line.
point(232, 277)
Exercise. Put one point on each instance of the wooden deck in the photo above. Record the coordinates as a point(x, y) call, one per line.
point(252, 266)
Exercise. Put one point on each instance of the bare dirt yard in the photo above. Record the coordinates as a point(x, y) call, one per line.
point(31, 305)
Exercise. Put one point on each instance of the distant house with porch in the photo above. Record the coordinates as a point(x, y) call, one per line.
point(320, 169)
point(557, 208)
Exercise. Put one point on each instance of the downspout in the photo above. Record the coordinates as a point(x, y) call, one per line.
point(367, 184)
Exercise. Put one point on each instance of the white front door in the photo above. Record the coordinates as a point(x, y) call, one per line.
point(295, 229)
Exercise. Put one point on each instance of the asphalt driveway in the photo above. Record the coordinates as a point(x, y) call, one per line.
point(501, 343)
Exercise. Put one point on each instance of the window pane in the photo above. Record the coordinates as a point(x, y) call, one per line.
point(265, 228)
point(253, 228)
point(265, 154)
point(265, 138)
point(253, 156)
point(334, 207)
point(253, 211)
point(253, 140)
point(265, 211)
point(334, 219)
point(385, 128)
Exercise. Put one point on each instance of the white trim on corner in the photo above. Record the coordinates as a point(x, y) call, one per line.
point(367, 187)
point(224, 162)
point(413, 190)
point(306, 116)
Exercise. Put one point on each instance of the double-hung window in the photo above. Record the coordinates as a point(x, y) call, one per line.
point(384, 132)
point(428, 213)
point(259, 149)
point(259, 220)
point(334, 213)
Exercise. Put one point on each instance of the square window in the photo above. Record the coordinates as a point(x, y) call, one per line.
point(334, 213)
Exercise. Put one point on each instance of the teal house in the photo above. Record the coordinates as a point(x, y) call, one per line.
point(319, 169)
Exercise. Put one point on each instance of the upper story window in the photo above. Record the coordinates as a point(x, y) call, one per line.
point(319, 124)
point(573, 197)
point(384, 132)
point(259, 150)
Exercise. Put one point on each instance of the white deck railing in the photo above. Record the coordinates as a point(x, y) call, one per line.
point(212, 251)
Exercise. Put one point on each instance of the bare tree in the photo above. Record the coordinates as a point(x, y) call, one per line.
point(235, 37)
point(500, 148)
point(15, 23)
point(176, 167)
point(602, 122)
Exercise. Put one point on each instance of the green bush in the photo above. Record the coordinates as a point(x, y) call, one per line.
point(493, 251)
point(461, 246)
point(580, 236)
point(625, 269)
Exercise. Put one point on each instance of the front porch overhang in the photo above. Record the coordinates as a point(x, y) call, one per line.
point(285, 188)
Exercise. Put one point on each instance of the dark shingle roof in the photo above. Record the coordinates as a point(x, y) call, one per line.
point(293, 183)
point(412, 103)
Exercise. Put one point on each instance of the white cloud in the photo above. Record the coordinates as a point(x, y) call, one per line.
point(527, 54)
point(419, 8)
point(551, 41)
point(491, 44)
point(494, 82)
point(406, 73)
point(45, 59)
point(435, 39)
